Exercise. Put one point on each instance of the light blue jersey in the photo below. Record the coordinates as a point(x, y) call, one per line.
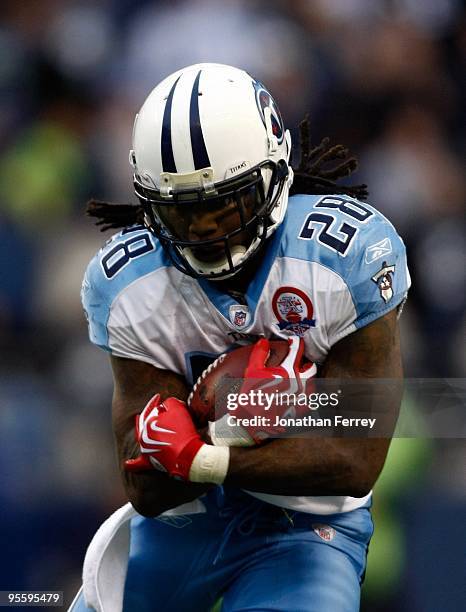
point(333, 266)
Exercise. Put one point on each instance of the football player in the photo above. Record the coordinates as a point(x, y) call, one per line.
point(230, 245)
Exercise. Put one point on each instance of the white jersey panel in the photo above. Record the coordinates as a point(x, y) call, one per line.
point(324, 504)
point(161, 317)
point(164, 315)
point(332, 304)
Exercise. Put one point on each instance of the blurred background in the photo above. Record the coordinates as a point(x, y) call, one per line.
point(384, 77)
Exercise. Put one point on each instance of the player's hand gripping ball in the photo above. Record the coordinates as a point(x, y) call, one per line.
point(267, 368)
point(208, 399)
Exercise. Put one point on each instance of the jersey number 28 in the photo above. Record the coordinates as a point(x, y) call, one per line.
point(335, 238)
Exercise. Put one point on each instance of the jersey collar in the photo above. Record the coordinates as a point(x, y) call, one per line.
point(223, 300)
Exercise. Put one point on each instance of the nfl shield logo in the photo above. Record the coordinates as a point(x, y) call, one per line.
point(240, 316)
point(325, 532)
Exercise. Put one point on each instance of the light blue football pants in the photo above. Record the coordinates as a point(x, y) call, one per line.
point(254, 555)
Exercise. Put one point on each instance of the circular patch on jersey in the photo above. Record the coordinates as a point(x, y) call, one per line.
point(264, 99)
point(325, 532)
point(294, 310)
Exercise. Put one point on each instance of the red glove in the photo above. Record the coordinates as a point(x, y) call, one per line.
point(167, 438)
point(290, 377)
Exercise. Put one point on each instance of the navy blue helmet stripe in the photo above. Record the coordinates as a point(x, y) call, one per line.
point(168, 160)
point(200, 157)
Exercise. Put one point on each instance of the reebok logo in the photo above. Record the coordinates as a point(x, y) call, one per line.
point(378, 250)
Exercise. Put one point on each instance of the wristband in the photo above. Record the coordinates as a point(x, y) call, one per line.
point(210, 464)
point(223, 434)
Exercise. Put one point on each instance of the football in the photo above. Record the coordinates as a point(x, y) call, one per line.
point(222, 377)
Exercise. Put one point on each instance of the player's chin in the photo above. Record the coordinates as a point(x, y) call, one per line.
point(209, 254)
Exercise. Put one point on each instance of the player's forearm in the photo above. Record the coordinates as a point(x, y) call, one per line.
point(308, 466)
point(153, 493)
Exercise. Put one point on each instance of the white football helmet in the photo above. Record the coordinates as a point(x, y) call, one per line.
point(211, 136)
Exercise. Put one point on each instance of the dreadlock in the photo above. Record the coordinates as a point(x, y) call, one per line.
point(312, 176)
point(114, 216)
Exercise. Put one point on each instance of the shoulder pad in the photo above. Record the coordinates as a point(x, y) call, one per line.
point(355, 241)
point(127, 256)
